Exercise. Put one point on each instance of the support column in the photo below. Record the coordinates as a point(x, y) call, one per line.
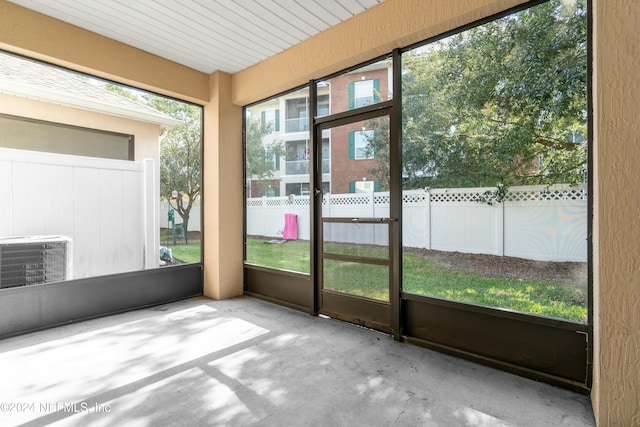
point(222, 192)
point(616, 267)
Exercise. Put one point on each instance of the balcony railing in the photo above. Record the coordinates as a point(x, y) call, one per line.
point(301, 167)
point(300, 124)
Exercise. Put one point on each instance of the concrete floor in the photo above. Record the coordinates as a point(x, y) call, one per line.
point(247, 362)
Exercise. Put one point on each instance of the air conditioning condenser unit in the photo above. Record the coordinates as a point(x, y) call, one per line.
point(35, 260)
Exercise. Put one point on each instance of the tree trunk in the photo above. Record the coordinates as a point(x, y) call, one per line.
point(185, 224)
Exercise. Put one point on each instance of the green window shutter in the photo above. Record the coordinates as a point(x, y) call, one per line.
point(263, 117)
point(277, 124)
point(352, 95)
point(277, 162)
point(352, 187)
point(376, 90)
point(376, 186)
point(352, 145)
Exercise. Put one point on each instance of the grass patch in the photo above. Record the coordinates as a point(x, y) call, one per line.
point(365, 280)
point(292, 255)
point(186, 253)
point(426, 277)
point(553, 299)
point(181, 251)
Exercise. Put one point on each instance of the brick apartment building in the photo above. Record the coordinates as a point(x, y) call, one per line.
point(347, 160)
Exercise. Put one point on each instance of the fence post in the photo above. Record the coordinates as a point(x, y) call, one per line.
point(373, 213)
point(427, 198)
point(263, 212)
point(323, 214)
point(500, 229)
point(372, 204)
point(151, 192)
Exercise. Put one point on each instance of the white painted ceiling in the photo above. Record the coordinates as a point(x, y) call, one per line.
point(206, 35)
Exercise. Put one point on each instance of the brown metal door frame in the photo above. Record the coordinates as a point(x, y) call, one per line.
point(371, 313)
point(375, 314)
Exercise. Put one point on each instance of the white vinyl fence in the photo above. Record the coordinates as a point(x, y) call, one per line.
point(108, 207)
point(546, 223)
point(194, 215)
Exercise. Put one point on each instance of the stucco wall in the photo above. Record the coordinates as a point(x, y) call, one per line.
point(223, 192)
point(616, 388)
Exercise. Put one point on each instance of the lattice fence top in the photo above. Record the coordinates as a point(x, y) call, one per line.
point(349, 199)
point(514, 194)
point(571, 193)
point(381, 198)
point(486, 195)
point(277, 201)
point(411, 197)
point(456, 197)
point(254, 202)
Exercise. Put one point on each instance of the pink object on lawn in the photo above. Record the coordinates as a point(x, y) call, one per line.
point(290, 227)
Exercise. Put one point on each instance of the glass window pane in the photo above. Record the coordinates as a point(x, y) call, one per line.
point(277, 182)
point(180, 181)
point(494, 164)
point(356, 239)
point(365, 280)
point(363, 147)
point(90, 175)
point(35, 135)
point(364, 86)
point(361, 150)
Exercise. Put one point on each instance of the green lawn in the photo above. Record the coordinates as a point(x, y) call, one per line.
point(292, 255)
point(182, 252)
point(364, 280)
point(424, 276)
point(546, 298)
point(186, 253)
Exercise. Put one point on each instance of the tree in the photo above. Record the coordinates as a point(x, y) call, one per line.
point(180, 150)
point(180, 155)
point(260, 151)
point(378, 148)
point(122, 91)
point(501, 103)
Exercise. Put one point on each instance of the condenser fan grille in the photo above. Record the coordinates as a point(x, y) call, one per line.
point(23, 264)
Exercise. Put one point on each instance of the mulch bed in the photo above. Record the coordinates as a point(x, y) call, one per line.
point(574, 273)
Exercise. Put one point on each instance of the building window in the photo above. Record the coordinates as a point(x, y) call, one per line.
point(271, 118)
point(297, 115)
point(272, 160)
point(359, 146)
point(363, 93)
point(364, 186)
point(323, 105)
point(38, 135)
point(271, 191)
